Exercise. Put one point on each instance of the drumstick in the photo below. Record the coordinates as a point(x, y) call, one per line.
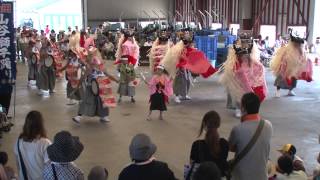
point(143, 78)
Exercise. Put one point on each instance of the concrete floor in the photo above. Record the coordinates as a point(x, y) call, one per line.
point(295, 120)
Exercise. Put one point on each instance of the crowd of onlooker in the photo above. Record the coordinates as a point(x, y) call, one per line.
point(39, 158)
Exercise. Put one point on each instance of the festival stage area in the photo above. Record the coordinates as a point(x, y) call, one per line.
point(295, 120)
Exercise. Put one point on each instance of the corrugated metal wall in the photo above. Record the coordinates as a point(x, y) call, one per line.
point(228, 10)
point(102, 10)
point(281, 13)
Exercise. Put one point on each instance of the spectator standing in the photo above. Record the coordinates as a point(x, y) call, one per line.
point(77, 29)
point(255, 131)
point(279, 42)
point(212, 148)
point(69, 32)
point(144, 166)
point(290, 150)
point(23, 42)
point(31, 146)
point(108, 50)
point(207, 171)
point(18, 46)
point(47, 31)
point(6, 172)
point(64, 150)
point(52, 35)
point(83, 38)
point(98, 173)
point(266, 40)
point(286, 170)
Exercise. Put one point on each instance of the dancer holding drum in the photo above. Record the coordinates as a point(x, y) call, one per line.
point(33, 56)
point(98, 93)
point(46, 76)
point(74, 69)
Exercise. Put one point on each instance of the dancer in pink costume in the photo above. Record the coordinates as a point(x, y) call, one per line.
point(243, 72)
point(291, 64)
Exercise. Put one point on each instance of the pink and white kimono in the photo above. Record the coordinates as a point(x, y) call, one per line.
point(160, 87)
point(241, 76)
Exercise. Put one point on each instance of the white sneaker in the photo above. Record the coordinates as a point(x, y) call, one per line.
point(29, 84)
point(40, 92)
point(291, 93)
point(177, 99)
point(33, 82)
point(76, 119)
point(238, 113)
point(105, 119)
point(45, 93)
point(71, 102)
point(278, 95)
point(188, 97)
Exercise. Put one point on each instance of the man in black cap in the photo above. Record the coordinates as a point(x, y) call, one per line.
point(64, 150)
point(144, 166)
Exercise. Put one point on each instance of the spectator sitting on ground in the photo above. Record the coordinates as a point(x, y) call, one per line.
point(207, 171)
point(286, 170)
point(316, 172)
point(6, 172)
point(31, 147)
point(290, 150)
point(144, 165)
point(64, 150)
point(98, 173)
point(254, 163)
point(272, 172)
point(212, 148)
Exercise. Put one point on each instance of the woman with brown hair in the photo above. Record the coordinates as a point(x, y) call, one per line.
point(212, 148)
point(31, 147)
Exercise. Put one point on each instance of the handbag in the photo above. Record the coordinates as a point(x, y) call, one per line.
point(23, 166)
point(189, 171)
point(248, 147)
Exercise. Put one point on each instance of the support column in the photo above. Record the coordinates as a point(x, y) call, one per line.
point(313, 14)
point(84, 8)
point(245, 8)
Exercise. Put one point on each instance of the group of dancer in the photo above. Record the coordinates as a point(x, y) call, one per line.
point(171, 68)
point(243, 72)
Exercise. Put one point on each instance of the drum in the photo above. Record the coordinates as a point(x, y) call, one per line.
point(95, 87)
point(101, 87)
point(34, 59)
point(48, 62)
